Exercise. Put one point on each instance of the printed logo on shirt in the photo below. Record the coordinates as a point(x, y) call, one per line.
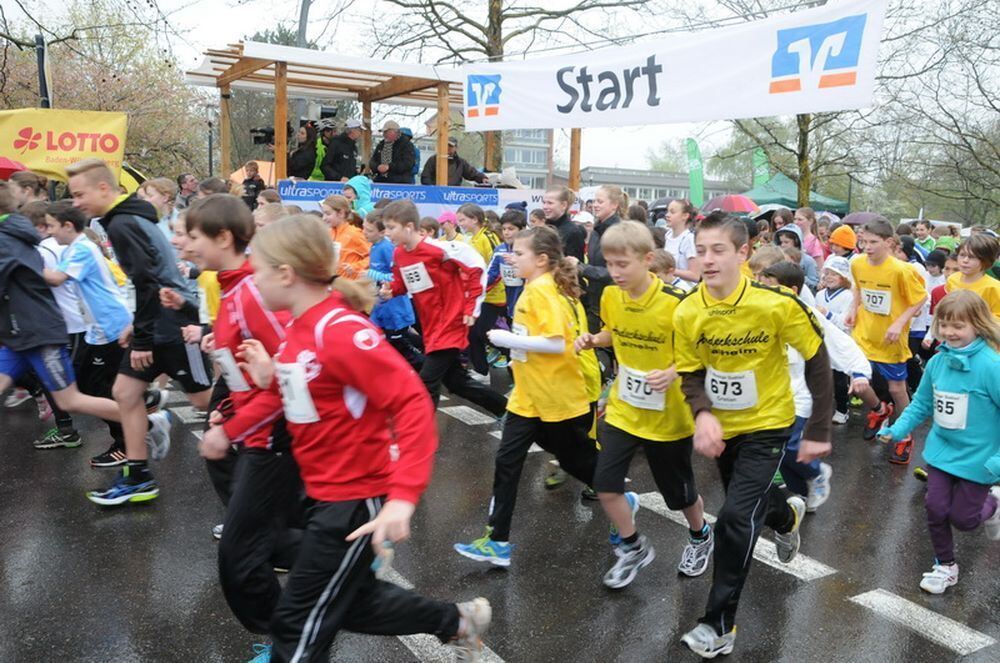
point(734, 345)
point(820, 56)
point(366, 339)
point(307, 359)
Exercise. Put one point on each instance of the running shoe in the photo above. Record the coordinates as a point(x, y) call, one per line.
point(856, 402)
point(17, 397)
point(556, 476)
point(787, 544)
point(262, 654)
point(940, 578)
point(485, 549)
point(875, 420)
point(819, 488)
point(502, 362)
point(113, 457)
point(476, 615)
point(840, 418)
point(217, 532)
point(158, 436)
point(704, 641)
point(54, 439)
point(156, 399)
point(588, 494)
point(901, 451)
point(44, 408)
point(614, 536)
point(694, 559)
point(992, 524)
point(920, 474)
point(125, 489)
point(631, 558)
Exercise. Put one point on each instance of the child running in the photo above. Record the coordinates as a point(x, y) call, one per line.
point(730, 339)
point(331, 374)
point(961, 391)
point(350, 246)
point(472, 219)
point(550, 404)
point(833, 303)
point(646, 408)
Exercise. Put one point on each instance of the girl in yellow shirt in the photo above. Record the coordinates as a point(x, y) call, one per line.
point(472, 219)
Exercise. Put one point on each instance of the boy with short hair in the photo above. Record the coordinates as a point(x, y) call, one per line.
point(976, 255)
point(665, 267)
point(646, 408)
point(502, 263)
point(253, 184)
point(888, 293)
point(429, 228)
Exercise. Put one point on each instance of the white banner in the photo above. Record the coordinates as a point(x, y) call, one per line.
point(810, 61)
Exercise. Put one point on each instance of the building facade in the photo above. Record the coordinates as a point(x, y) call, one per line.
point(648, 185)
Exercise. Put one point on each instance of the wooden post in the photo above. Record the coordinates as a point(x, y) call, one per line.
point(225, 133)
point(280, 121)
point(443, 122)
point(489, 150)
point(574, 159)
point(366, 136)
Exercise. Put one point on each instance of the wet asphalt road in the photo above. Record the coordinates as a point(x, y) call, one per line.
point(80, 583)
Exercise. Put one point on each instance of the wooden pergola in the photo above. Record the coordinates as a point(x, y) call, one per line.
point(300, 72)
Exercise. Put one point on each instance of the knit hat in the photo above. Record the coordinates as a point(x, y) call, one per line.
point(936, 258)
point(844, 237)
point(838, 265)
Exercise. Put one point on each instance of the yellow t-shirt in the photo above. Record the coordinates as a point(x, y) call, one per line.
point(745, 269)
point(211, 293)
point(642, 333)
point(986, 287)
point(588, 358)
point(549, 387)
point(740, 343)
point(485, 243)
point(883, 292)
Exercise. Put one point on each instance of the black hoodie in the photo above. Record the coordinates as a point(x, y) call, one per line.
point(29, 315)
point(572, 236)
point(595, 273)
point(145, 254)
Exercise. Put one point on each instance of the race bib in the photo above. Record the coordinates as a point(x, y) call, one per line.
point(731, 391)
point(876, 301)
point(336, 254)
point(295, 396)
point(230, 371)
point(509, 275)
point(415, 278)
point(634, 390)
point(950, 409)
point(520, 330)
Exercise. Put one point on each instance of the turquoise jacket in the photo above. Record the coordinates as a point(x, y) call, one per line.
point(969, 379)
point(363, 187)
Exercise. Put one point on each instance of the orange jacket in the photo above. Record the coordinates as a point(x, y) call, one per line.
point(354, 250)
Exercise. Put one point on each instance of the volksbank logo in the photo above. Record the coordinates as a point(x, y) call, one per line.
point(818, 56)
point(483, 94)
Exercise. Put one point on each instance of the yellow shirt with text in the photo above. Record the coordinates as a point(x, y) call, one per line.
point(883, 292)
point(485, 242)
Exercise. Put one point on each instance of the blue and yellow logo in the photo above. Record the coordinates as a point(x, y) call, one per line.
point(818, 56)
point(482, 93)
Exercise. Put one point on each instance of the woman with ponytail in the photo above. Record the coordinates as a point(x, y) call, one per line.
point(610, 205)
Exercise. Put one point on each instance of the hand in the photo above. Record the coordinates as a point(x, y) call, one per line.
point(347, 271)
point(392, 523)
point(858, 385)
point(184, 268)
point(126, 337)
point(214, 443)
point(343, 179)
point(191, 333)
point(256, 362)
point(140, 360)
point(821, 309)
point(584, 342)
point(508, 258)
point(498, 337)
point(810, 450)
point(208, 343)
point(884, 435)
point(851, 318)
point(893, 332)
point(927, 343)
point(708, 435)
point(215, 418)
point(469, 320)
point(170, 298)
point(660, 381)
point(383, 169)
point(385, 291)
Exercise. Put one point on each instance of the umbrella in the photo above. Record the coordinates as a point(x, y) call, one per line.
point(767, 211)
point(860, 218)
point(731, 203)
point(658, 210)
point(8, 167)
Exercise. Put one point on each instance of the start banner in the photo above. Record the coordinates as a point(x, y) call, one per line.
point(809, 61)
point(47, 140)
point(430, 200)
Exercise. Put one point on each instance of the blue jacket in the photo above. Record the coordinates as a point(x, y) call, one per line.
point(29, 315)
point(973, 453)
point(493, 274)
point(395, 313)
point(363, 187)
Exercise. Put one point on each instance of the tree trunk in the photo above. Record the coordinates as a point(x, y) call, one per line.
point(805, 168)
point(494, 50)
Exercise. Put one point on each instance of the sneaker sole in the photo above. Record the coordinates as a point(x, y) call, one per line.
point(137, 498)
point(627, 580)
point(725, 651)
point(56, 445)
point(495, 561)
point(162, 403)
point(117, 463)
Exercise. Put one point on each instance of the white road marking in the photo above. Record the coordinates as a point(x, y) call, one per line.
point(427, 648)
point(467, 415)
point(802, 567)
point(946, 632)
point(443, 399)
point(534, 448)
point(176, 397)
point(188, 414)
point(198, 434)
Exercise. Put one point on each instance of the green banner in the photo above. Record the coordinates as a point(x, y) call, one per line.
point(696, 174)
point(761, 168)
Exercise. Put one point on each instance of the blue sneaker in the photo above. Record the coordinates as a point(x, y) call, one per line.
point(125, 489)
point(485, 549)
point(614, 536)
point(263, 654)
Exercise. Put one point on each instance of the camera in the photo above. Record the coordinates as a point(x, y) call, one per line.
point(262, 136)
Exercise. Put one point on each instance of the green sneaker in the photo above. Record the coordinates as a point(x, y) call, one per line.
point(485, 549)
point(54, 439)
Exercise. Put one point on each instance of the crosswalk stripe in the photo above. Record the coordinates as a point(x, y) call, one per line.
point(945, 631)
point(188, 414)
point(802, 567)
point(467, 415)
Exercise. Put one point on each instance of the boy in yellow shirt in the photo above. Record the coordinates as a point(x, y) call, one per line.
point(646, 408)
point(976, 255)
point(730, 335)
point(887, 294)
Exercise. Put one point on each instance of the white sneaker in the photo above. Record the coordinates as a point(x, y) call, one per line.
point(992, 524)
point(158, 435)
point(694, 559)
point(476, 616)
point(940, 578)
point(17, 397)
point(840, 418)
point(819, 488)
point(787, 544)
point(630, 560)
point(217, 532)
point(704, 641)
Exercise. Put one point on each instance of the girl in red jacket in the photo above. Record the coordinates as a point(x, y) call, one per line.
point(330, 376)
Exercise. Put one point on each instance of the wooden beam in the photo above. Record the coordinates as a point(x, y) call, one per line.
point(280, 121)
point(489, 150)
point(396, 86)
point(239, 69)
point(443, 122)
point(225, 134)
point(574, 159)
point(366, 135)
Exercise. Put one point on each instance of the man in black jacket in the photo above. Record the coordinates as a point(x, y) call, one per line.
point(394, 157)
point(341, 161)
point(458, 168)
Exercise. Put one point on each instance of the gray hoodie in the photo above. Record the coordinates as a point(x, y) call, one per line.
point(807, 263)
